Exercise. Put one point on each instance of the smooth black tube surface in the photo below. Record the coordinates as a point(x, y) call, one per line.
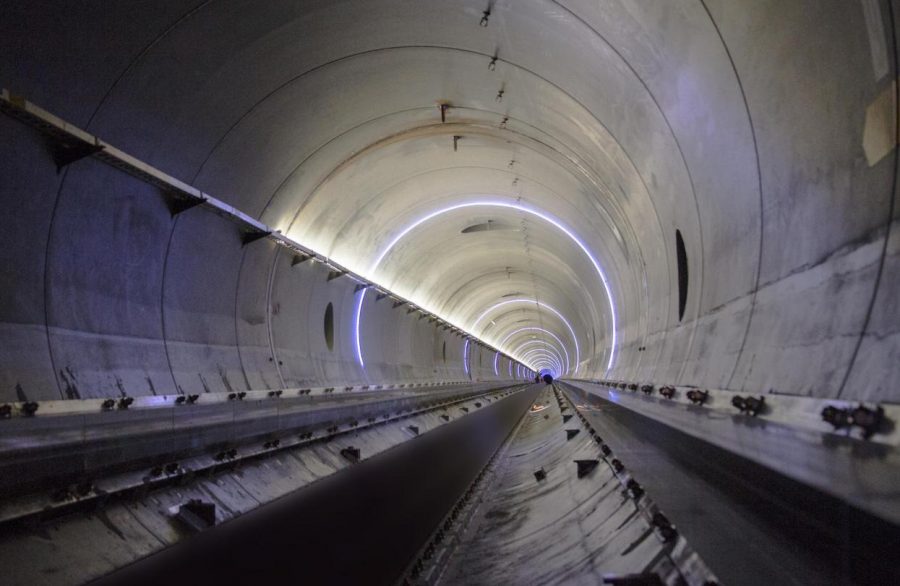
point(363, 525)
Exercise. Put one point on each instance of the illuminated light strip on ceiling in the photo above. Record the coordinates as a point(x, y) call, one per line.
point(466, 356)
point(546, 370)
point(533, 355)
point(542, 352)
point(549, 363)
point(497, 204)
point(536, 328)
point(357, 317)
point(548, 367)
point(544, 345)
point(545, 306)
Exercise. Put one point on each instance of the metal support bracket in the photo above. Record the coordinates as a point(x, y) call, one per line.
point(67, 151)
point(70, 143)
point(178, 203)
point(253, 236)
point(197, 515)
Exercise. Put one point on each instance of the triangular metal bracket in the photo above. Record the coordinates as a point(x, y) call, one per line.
point(250, 237)
point(352, 454)
point(66, 152)
point(197, 514)
point(178, 203)
point(585, 467)
point(299, 259)
point(570, 433)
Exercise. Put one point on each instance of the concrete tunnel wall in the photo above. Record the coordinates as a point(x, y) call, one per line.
point(761, 130)
point(180, 304)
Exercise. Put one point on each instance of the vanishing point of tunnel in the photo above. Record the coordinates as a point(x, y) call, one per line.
point(445, 292)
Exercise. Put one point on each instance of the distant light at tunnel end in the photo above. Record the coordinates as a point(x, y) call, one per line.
point(501, 204)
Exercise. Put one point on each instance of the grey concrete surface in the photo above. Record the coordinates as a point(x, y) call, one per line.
point(561, 529)
point(479, 171)
point(89, 542)
point(734, 510)
point(740, 124)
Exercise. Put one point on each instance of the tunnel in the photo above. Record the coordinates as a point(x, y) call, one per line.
point(449, 292)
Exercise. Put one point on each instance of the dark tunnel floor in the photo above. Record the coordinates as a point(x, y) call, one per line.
point(783, 534)
point(288, 285)
point(367, 523)
point(562, 528)
point(361, 526)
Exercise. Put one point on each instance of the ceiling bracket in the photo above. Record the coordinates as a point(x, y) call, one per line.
point(253, 236)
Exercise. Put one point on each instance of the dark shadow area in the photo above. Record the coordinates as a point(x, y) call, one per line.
point(362, 525)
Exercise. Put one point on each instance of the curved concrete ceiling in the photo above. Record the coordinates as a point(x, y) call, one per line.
point(693, 201)
point(594, 129)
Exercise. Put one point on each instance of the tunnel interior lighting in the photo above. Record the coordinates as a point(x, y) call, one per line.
point(539, 329)
point(544, 306)
point(506, 205)
point(465, 358)
point(541, 344)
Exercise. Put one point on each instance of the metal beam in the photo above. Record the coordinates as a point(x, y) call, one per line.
point(61, 132)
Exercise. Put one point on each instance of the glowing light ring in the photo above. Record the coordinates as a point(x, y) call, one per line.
point(466, 357)
point(548, 332)
point(549, 367)
point(542, 351)
point(533, 355)
point(545, 359)
point(545, 306)
point(546, 370)
point(545, 345)
point(508, 205)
